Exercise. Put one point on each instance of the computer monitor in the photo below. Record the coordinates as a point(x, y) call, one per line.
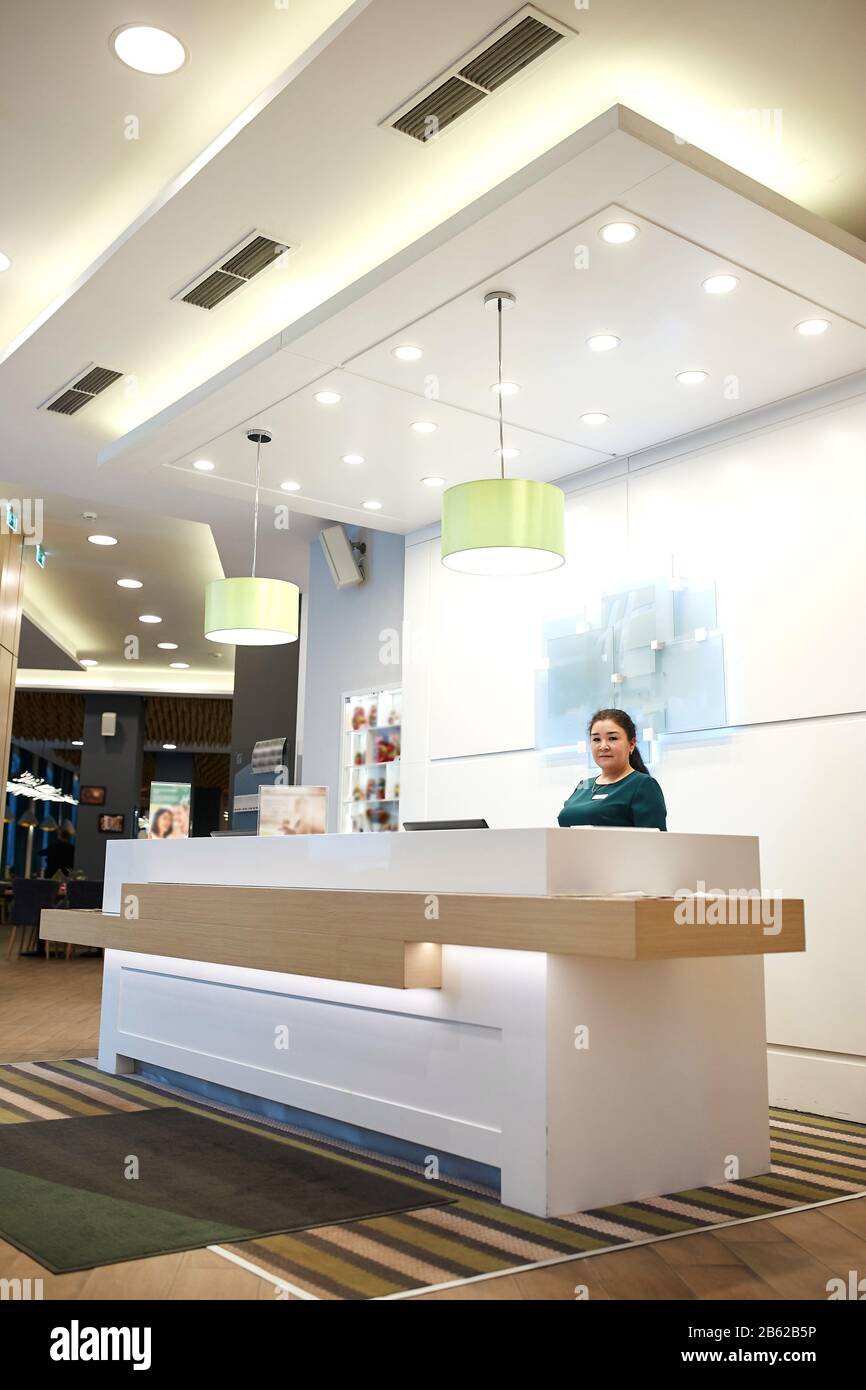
point(445, 825)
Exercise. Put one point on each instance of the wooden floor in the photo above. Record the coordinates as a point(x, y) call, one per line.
point(787, 1257)
point(49, 1009)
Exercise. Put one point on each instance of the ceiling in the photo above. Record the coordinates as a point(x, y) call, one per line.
point(37, 651)
point(648, 294)
point(534, 239)
point(75, 609)
point(74, 182)
point(51, 723)
point(276, 124)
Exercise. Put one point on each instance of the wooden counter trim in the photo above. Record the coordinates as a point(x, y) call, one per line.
point(618, 928)
point(364, 960)
point(395, 938)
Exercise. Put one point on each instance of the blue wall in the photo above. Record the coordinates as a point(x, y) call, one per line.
point(344, 649)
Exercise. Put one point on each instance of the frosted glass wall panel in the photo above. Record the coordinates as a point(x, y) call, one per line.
point(656, 654)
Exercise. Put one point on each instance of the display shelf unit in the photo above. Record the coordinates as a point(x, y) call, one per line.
point(370, 760)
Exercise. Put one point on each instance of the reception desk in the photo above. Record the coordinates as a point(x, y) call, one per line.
point(525, 1000)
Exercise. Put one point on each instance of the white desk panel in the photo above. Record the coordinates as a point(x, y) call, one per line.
point(532, 862)
point(486, 1067)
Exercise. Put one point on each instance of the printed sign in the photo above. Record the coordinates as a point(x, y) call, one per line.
point(168, 818)
point(293, 810)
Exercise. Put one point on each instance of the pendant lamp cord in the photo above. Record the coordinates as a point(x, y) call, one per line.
point(501, 437)
point(256, 507)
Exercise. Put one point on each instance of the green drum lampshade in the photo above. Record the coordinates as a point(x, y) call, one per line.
point(251, 612)
point(503, 526)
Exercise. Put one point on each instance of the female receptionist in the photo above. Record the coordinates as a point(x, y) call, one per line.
point(623, 793)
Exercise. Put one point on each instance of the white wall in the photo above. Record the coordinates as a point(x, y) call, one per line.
point(778, 519)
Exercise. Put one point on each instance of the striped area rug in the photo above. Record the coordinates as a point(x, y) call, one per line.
point(814, 1159)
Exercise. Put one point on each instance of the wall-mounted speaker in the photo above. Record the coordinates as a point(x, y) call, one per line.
point(108, 728)
point(340, 554)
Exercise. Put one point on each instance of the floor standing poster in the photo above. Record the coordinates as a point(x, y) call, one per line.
point(168, 818)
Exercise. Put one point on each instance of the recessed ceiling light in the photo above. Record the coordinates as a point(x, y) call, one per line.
point(406, 352)
point(167, 646)
point(4, 261)
point(169, 745)
point(148, 618)
point(424, 426)
point(88, 661)
point(505, 388)
point(290, 487)
point(149, 50)
point(129, 584)
point(204, 465)
point(506, 453)
point(618, 233)
point(372, 506)
point(720, 284)
point(328, 397)
point(353, 458)
point(691, 378)
point(811, 328)
point(102, 540)
point(179, 665)
point(594, 417)
point(602, 342)
point(78, 743)
point(433, 482)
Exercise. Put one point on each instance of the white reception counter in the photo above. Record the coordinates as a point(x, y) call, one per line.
point(586, 1045)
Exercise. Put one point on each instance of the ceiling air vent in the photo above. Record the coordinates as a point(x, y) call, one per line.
point(510, 50)
point(511, 54)
point(439, 108)
point(242, 264)
point(83, 388)
point(212, 290)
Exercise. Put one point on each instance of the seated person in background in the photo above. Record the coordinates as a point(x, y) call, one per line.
point(59, 855)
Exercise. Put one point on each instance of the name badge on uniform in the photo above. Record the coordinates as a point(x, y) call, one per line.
point(599, 796)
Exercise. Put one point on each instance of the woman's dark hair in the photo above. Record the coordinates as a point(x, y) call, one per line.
point(157, 816)
point(626, 723)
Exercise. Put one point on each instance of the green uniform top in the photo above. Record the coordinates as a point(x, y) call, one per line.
point(634, 800)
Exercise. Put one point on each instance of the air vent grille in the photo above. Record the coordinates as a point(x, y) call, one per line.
point(247, 260)
point(69, 402)
point(439, 108)
point(84, 388)
point(96, 380)
point(523, 39)
point(253, 258)
point(213, 290)
point(511, 54)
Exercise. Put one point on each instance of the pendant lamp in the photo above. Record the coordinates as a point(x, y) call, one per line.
point(503, 526)
point(250, 611)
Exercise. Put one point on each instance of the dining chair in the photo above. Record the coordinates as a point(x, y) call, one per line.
point(82, 894)
point(29, 897)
